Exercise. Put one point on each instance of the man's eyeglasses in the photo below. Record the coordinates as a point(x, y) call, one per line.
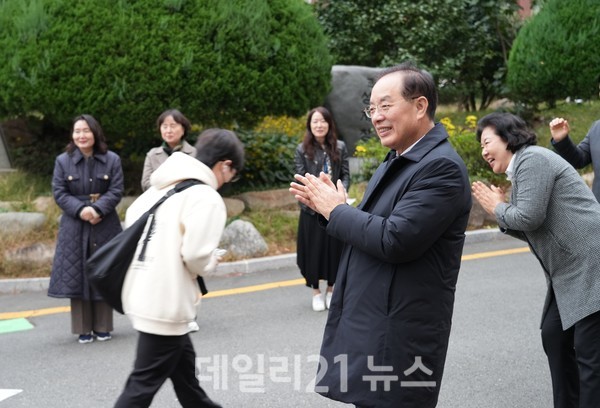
point(371, 111)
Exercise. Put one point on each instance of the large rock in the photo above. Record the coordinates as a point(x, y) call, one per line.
point(8, 205)
point(20, 222)
point(234, 206)
point(479, 218)
point(44, 203)
point(268, 200)
point(36, 253)
point(350, 94)
point(243, 240)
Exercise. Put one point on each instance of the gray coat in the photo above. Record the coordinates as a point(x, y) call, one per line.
point(586, 152)
point(553, 209)
point(339, 171)
point(72, 183)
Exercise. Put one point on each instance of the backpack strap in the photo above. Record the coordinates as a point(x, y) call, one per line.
point(177, 189)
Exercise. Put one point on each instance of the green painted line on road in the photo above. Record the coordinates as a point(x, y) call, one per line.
point(13, 325)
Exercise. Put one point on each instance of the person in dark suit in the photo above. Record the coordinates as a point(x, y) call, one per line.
point(586, 152)
point(553, 210)
point(318, 254)
point(388, 327)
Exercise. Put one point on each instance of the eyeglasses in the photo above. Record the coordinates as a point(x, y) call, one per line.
point(233, 171)
point(372, 110)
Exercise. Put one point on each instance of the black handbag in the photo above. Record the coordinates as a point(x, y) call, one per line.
point(107, 267)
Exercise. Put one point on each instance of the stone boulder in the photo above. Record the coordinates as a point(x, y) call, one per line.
point(124, 204)
point(234, 206)
point(243, 240)
point(350, 93)
point(20, 222)
point(479, 217)
point(269, 199)
point(35, 253)
point(44, 203)
point(6, 206)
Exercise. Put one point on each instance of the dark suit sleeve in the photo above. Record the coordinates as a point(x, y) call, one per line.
point(418, 218)
point(578, 156)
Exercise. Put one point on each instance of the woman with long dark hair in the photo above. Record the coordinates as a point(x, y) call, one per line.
point(318, 254)
point(87, 185)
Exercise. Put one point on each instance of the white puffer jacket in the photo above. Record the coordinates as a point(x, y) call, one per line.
point(160, 294)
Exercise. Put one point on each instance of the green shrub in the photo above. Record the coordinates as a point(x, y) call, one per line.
point(223, 63)
point(555, 54)
point(372, 154)
point(269, 160)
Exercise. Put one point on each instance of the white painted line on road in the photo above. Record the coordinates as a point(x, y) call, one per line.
point(6, 394)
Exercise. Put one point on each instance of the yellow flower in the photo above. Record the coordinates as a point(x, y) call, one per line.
point(471, 121)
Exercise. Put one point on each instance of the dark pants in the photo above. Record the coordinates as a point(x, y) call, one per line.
point(159, 358)
point(574, 359)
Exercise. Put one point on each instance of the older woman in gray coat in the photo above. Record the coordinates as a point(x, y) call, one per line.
point(87, 186)
point(552, 209)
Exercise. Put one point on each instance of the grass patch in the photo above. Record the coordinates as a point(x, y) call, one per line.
point(23, 187)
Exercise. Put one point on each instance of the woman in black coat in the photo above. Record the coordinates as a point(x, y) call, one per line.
point(87, 185)
point(318, 254)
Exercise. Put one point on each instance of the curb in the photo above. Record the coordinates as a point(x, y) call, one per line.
point(12, 286)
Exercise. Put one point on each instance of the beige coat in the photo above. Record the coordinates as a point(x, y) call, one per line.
point(157, 156)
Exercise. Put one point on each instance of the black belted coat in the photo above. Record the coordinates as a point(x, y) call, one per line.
point(72, 183)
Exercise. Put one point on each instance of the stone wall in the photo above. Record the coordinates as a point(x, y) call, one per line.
point(351, 91)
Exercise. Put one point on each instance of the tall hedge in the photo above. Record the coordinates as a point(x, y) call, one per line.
point(555, 55)
point(223, 63)
point(464, 44)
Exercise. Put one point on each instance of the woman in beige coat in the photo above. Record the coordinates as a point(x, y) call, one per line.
point(174, 128)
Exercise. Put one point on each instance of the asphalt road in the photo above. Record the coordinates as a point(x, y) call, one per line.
point(259, 340)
